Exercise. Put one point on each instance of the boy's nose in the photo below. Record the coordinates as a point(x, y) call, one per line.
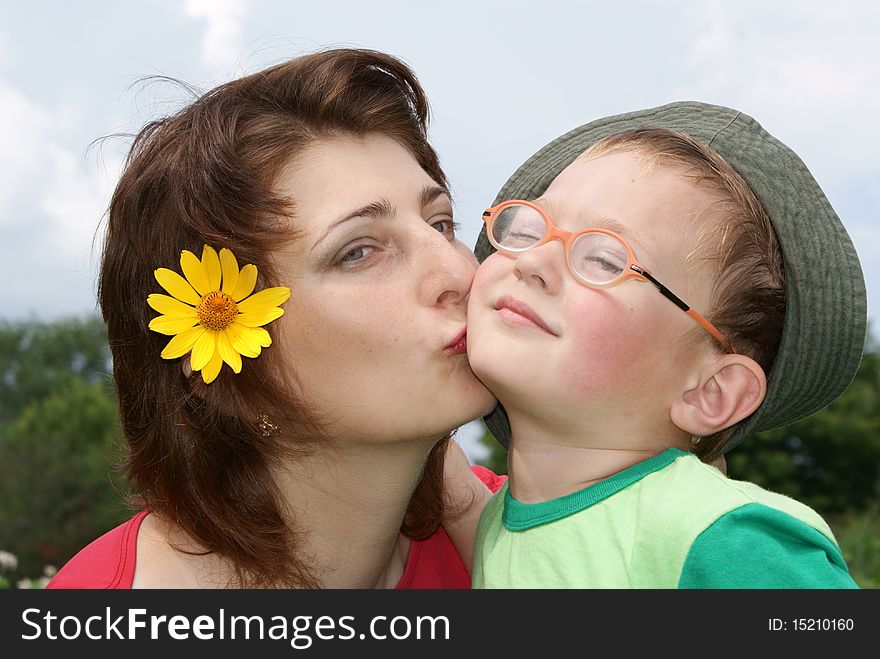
point(542, 266)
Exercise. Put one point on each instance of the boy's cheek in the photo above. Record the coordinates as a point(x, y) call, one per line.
point(609, 348)
point(487, 273)
point(477, 309)
point(489, 353)
point(495, 265)
point(475, 299)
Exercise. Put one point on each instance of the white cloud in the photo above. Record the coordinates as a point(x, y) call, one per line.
point(798, 68)
point(42, 176)
point(25, 127)
point(50, 206)
point(221, 43)
point(77, 198)
point(866, 237)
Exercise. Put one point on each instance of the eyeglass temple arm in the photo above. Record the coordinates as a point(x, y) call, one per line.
point(681, 304)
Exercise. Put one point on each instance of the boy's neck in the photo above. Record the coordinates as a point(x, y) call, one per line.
point(544, 466)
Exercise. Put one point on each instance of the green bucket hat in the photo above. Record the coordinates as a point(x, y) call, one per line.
point(823, 334)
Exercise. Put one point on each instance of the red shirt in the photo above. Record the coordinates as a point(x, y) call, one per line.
point(109, 561)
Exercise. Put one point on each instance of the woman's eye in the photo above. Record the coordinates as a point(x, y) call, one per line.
point(445, 225)
point(356, 254)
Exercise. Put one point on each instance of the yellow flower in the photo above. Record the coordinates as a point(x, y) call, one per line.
point(218, 323)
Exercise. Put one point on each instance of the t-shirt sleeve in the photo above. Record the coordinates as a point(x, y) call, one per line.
point(106, 563)
point(756, 546)
point(492, 480)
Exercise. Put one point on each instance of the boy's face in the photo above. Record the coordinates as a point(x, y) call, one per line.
point(619, 350)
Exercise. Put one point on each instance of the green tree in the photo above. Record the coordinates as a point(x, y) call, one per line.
point(496, 460)
point(830, 460)
point(59, 435)
point(38, 359)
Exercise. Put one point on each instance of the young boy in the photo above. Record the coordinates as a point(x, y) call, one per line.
point(671, 259)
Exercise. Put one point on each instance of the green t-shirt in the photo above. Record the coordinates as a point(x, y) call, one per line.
point(668, 522)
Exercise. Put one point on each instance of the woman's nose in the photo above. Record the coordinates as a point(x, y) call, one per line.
point(448, 272)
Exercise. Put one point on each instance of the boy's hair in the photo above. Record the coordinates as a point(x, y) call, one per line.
point(202, 455)
point(748, 293)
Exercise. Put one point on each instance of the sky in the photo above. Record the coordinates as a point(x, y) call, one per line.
point(503, 79)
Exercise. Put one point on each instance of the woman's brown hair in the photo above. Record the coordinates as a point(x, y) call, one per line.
point(748, 291)
point(201, 455)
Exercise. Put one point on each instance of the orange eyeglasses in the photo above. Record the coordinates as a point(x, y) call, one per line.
point(598, 258)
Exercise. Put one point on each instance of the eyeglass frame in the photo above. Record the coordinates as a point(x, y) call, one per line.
point(633, 269)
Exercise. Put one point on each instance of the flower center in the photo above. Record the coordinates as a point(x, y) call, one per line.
point(216, 310)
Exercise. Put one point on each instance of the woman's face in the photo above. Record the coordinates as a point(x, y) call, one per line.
point(379, 284)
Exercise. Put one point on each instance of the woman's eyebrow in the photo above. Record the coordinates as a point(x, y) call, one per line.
point(431, 192)
point(379, 209)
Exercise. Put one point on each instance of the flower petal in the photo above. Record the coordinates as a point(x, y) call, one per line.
point(171, 324)
point(170, 306)
point(269, 297)
point(261, 336)
point(260, 317)
point(212, 368)
point(227, 352)
point(211, 266)
point(243, 341)
point(194, 272)
point(182, 343)
point(177, 286)
point(229, 266)
point(204, 348)
point(247, 278)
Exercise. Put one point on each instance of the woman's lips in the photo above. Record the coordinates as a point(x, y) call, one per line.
point(518, 313)
point(458, 345)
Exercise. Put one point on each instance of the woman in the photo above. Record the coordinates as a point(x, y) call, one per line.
point(317, 460)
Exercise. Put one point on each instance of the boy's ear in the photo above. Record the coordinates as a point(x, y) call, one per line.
point(728, 390)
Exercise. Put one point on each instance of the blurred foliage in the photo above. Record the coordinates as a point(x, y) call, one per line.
point(858, 534)
point(830, 460)
point(38, 359)
point(59, 440)
point(496, 460)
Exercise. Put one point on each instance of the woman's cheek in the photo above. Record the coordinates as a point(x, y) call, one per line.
point(467, 253)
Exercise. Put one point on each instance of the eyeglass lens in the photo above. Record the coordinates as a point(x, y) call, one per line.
point(595, 257)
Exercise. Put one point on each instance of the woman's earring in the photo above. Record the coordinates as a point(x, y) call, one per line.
point(267, 428)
